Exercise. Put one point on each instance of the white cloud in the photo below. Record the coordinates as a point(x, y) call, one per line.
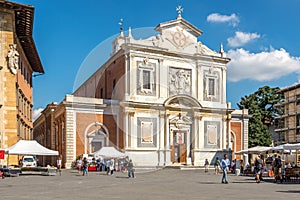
point(241, 38)
point(216, 17)
point(262, 66)
point(36, 113)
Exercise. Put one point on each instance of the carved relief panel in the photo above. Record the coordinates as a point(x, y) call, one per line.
point(179, 81)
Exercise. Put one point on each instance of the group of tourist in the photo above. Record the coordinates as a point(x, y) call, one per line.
point(108, 165)
point(277, 167)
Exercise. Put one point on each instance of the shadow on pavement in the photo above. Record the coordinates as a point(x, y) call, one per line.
point(125, 177)
point(207, 183)
point(290, 191)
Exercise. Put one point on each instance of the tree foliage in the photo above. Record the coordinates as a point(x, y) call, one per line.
point(261, 107)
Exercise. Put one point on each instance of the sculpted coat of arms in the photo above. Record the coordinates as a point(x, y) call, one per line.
point(180, 81)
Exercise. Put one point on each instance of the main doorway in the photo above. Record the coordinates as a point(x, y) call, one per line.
point(179, 147)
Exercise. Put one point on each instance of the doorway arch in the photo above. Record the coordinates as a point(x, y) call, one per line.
point(101, 131)
point(180, 125)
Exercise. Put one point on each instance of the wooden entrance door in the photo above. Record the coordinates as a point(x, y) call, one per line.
point(178, 148)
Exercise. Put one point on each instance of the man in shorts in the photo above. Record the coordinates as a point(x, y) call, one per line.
point(277, 168)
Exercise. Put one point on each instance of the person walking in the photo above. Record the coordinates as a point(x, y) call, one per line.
point(206, 165)
point(112, 166)
point(258, 163)
point(225, 163)
point(277, 165)
point(98, 164)
point(85, 166)
point(130, 169)
point(242, 166)
point(79, 164)
point(217, 166)
point(108, 163)
point(58, 163)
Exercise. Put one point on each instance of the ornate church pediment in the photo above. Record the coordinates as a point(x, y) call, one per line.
point(177, 35)
point(181, 121)
point(182, 101)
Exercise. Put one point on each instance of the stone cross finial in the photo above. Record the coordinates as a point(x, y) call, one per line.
point(222, 53)
point(121, 27)
point(121, 24)
point(179, 10)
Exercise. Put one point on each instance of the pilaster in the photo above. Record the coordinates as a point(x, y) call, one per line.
point(70, 138)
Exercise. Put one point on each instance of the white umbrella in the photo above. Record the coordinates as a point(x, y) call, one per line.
point(241, 152)
point(295, 146)
point(277, 148)
point(254, 150)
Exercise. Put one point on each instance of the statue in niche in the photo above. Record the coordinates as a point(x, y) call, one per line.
point(13, 58)
point(181, 82)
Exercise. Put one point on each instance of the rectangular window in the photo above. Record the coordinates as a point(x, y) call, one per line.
point(101, 93)
point(298, 124)
point(114, 85)
point(147, 132)
point(211, 86)
point(146, 80)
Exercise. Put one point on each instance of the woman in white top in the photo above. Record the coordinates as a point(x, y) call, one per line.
point(79, 165)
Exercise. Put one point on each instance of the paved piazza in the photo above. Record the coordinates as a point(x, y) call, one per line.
point(160, 184)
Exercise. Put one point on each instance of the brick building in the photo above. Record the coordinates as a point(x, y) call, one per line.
point(239, 132)
point(19, 59)
point(162, 100)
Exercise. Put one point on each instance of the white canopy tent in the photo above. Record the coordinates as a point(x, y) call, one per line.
point(30, 147)
point(109, 152)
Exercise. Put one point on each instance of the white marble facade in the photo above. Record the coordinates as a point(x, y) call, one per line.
point(175, 96)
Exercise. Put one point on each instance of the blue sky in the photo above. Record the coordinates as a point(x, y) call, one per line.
point(261, 38)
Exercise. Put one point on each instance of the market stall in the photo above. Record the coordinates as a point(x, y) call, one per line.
point(108, 153)
point(259, 150)
point(31, 147)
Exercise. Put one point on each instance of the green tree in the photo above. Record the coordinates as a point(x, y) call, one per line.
point(261, 107)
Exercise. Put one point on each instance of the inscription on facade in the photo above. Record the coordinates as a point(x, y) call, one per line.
point(212, 134)
point(147, 132)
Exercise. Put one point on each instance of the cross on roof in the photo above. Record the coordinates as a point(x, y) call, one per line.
point(121, 24)
point(179, 9)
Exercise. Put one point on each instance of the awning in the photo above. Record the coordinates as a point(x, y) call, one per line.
point(30, 147)
point(109, 152)
point(254, 150)
point(295, 146)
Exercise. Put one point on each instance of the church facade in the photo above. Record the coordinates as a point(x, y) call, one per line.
point(161, 100)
